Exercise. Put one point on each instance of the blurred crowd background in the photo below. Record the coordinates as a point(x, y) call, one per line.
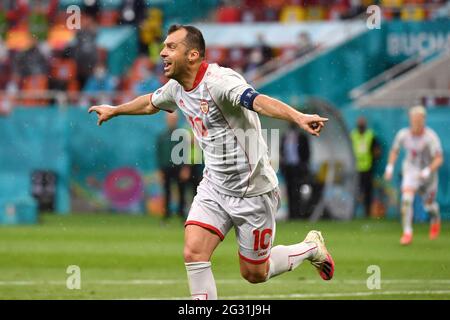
point(321, 56)
point(38, 52)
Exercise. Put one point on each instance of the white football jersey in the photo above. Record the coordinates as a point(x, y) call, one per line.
point(420, 149)
point(230, 136)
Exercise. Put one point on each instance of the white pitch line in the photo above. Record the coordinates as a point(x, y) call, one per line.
point(220, 281)
point(338, 295)
point(314, 295)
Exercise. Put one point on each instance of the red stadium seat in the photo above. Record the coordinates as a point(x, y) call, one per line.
point(405, 2)
point(391, 13)
point(337, 10)
point(63, 69)
point(34, 84)
point(109, 18)
point(228, 14)
point(140, 63)
point(60, 18)
point(73, 86)
point(274, 4)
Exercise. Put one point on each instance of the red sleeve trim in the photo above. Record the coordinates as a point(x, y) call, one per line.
point(253, 261)
point(151, 94)
point(206, 226)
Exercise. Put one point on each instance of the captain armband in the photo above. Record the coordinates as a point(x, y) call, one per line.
point(248, 97)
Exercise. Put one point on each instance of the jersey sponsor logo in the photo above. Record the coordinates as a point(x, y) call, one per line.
point(262, 253)
point(204, 107)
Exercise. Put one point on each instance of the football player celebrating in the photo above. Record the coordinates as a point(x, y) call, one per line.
point(242, 193)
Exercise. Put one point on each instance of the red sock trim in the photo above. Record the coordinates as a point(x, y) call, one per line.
point(200, 294)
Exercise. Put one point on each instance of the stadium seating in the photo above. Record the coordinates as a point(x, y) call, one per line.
point(109, 18)
point(413, 13)
point(35, 84)
point(59, 36)
point(228, 14)
point(25, 21)
point(291, 14)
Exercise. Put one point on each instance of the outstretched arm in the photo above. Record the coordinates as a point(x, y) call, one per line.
point(140, 106)
point(274, 108)
point(438, 160)
point(393, 155)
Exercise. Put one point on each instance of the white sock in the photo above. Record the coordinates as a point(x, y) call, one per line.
point(407, 213)
point(434, 212)
point(287, 258)
point(201, 281)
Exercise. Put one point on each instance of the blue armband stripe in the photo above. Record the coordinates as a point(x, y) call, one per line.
point(248, 97)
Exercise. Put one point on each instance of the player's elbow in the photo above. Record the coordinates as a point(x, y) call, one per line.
point(439, 160)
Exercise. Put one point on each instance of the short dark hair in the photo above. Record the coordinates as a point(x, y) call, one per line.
point(194, 37)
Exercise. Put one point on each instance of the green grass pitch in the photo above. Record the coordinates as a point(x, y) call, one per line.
point(134, 257)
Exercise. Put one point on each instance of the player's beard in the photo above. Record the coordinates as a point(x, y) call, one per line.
point(177, 70)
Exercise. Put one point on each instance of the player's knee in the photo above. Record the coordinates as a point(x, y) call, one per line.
point(407, 199)
point(405, 206)
point(192, 254)
point(254, 276)
point(432, 206)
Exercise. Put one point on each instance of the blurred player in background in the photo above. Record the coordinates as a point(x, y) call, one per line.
point(420, 171)
point(239, 193)
point(169, 172)
point(367, 150)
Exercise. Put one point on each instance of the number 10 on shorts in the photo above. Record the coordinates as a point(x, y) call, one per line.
point(262, 239)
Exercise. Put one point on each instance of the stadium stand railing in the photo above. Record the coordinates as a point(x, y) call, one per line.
point(419, 80)
point(390, 74)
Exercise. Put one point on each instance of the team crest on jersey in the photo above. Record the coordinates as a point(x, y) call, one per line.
point(181, 102)
point(204, 107)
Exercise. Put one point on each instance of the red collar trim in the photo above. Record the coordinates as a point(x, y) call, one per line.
point(200, 74)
